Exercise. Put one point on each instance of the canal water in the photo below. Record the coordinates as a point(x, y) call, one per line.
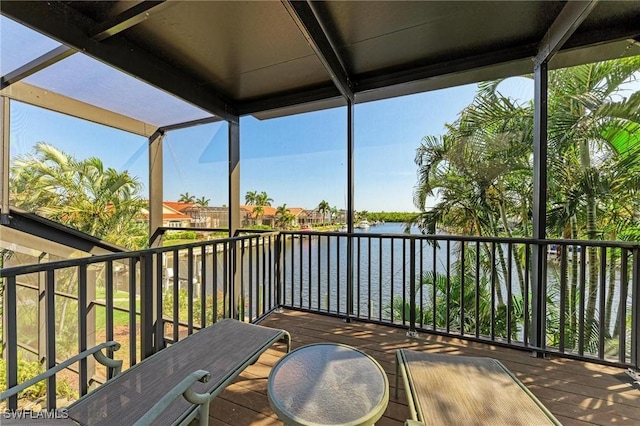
point(314, 272)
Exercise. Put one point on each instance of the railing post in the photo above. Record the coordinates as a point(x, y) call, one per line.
point(278, 271)
point(538, 298)
point(86, 328)
point(10, 336)
point(412, 289)
point(50, 314)
point(147, 311)
point(235, 288)
point(349, 278)
point(42, 314)
point(635, 313)
point(158, 287)
point(91, 323)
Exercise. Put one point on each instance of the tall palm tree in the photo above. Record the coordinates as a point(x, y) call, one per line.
point(204, 202)
point(259, 212)
point(324, 208)
point(263, 199)
point(82, 194)
point(587, 111)
point(187, 198)
point(481, 168)
point(283, 217)
point(282, 210)
point(251, 198)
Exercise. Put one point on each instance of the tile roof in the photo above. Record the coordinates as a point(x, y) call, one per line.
point(177, 205)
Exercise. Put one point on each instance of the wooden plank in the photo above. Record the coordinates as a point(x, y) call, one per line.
point(576, 392)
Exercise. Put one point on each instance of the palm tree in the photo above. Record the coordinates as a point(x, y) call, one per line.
point(251, 198)
point(263, 199)
point(259, 212)
point(324, 208)
point(186, 198)
point(481, 168)
point(283, 217)
point(82, 194)
point(586, 114)
point(204, 202)
point(442, 295)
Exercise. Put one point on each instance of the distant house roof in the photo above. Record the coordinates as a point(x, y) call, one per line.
point(170, 211)
point(267, 210)
point(271, 211)
point(178, 205)
point(296, 210)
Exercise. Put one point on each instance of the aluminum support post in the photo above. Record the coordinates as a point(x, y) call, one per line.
point(155, 188)
point(234, 217)
point(5, 115)
point(350, 211)
point(538, 285)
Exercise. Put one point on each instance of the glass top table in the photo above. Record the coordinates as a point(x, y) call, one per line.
point(328, 384)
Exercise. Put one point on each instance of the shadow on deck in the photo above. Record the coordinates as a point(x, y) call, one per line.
point(576, 392)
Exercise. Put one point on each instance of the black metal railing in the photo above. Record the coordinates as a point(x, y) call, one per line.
point(475, 288)
point(586, 303)
point(143, 300)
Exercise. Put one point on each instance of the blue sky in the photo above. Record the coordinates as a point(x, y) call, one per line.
point(298, 160)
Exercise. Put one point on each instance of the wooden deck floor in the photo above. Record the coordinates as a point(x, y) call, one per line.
point(577, 393)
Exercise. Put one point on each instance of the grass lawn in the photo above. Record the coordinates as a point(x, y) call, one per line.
point(177, 242)
point(121, 300)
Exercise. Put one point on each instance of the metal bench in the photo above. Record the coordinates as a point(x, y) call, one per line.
point(198, 367)
point(451, 390)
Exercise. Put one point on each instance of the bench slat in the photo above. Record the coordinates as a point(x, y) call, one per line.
point(223, 349)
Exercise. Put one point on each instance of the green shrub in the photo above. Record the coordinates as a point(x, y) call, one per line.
point(180, 235)
point(28, 370)
point(183, 305)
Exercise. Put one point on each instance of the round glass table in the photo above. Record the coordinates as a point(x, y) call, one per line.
point(328, 384)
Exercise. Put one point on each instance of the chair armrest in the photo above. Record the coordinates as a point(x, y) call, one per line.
point(183, 388)
point(96, 351)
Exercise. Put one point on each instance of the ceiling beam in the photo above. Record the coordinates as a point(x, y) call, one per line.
point(565, 24)
point(413, 73)
point(70, 27)
point(129, 18)
point(307, 96)
point(518, 59)
point(36, 96)
point(40, 63)
point(306, 18)
point(622, 31)
point(188, 124)
point(123, 21)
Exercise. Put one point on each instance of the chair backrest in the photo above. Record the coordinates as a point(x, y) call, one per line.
point(452, 389)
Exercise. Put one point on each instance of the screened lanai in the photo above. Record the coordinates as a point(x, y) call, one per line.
point(152, 69)
point(149, 67)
